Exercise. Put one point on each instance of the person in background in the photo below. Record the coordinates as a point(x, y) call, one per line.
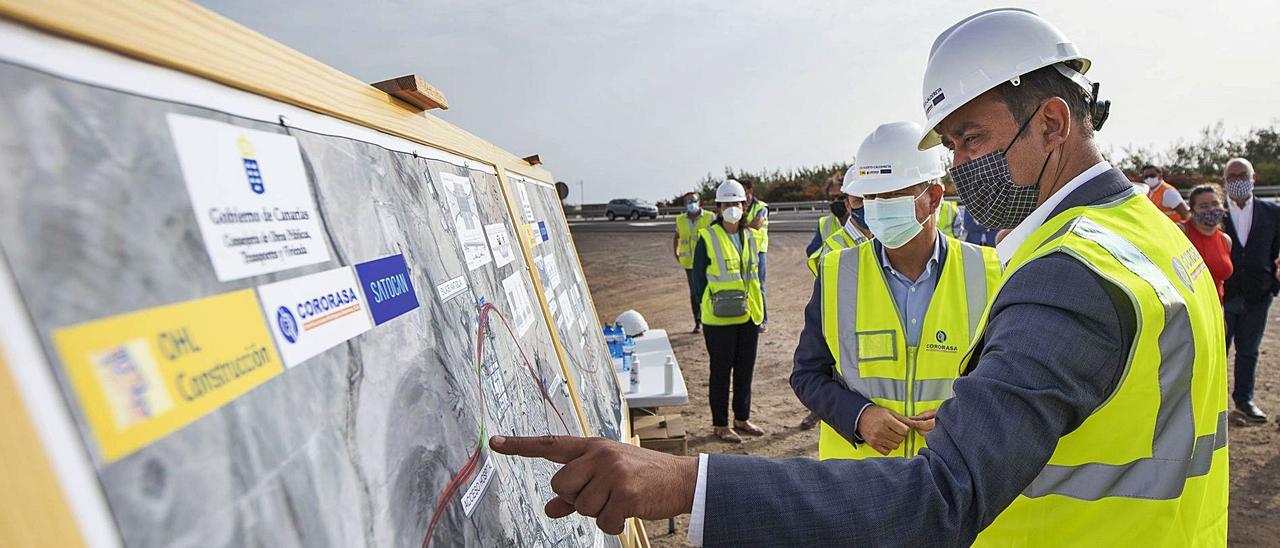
point(1203, 230)
point(757, 215)
point(853, 232)
point(726, 277)
point(949, 221)
point(830, 223)
point(975, 233)
point(688, 225)
point(1163, 195)
point(1252, 225)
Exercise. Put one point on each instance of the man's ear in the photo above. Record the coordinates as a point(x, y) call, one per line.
point(1055, 117)
point(936, 195)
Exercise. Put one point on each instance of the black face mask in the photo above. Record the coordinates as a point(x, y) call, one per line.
point(839, 209)
point(989, 192)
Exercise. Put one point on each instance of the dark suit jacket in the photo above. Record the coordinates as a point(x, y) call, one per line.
point(1054, 350)
point(1254, 278)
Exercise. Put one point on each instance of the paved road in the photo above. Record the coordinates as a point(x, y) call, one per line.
point(789, 221)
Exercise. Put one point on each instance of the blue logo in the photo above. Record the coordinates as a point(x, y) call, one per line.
point(251, 170)
point(387, 288)
point(941, 336)
point(542, 230)
point(288, 324)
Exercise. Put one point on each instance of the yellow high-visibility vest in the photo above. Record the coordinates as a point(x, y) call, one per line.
point(864, 331)
point(762, 233)
point(1149, 466)
point(732, 269)
point(840, 240)
point(687, 235)
point(947, 213)
point(827, 225)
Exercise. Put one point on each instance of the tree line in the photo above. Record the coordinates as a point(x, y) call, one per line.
point(1186, 162)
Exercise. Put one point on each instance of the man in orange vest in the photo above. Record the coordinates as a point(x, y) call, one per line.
point(1164, 196)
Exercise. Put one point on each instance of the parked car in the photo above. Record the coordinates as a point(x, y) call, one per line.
point(631, 208)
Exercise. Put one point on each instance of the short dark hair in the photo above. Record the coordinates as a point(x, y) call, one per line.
point(691, 193)
point(1040, 84)
point(1201, 189)
point(1158, 169)
point(746, 184)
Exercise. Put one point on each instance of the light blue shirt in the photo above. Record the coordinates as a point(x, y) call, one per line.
point(912, 296)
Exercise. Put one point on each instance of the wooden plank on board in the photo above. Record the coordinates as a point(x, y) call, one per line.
point(414, 91)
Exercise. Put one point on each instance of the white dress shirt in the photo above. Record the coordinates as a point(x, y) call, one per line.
point(1242, 218)
point(1010, 244)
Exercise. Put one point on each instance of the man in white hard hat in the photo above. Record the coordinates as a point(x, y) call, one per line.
point(890, 319)
point(1093, 408)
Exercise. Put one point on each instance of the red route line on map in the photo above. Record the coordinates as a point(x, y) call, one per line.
point(471, 465)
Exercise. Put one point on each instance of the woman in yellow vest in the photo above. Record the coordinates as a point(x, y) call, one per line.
point(726, 272)
point(688, 226)
point(897, 312)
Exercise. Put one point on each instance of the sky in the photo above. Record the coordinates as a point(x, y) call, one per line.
point(645, 98)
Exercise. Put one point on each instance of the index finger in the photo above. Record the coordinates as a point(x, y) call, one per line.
point(559, 449)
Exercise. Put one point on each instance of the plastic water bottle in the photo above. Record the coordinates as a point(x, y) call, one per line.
point(628, 352)
point(668, 375)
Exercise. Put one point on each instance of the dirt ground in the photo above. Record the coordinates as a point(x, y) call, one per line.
point(648, 279)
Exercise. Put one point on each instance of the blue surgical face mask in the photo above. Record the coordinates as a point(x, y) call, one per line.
point(893, 220)
point(859, 215)
point(693, 207)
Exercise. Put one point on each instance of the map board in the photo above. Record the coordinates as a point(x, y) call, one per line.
point(270, 327)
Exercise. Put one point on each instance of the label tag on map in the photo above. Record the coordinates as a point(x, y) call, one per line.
point(479, 485)
point(251, 197)
point(143, 375)
point(500, 244)
point(451, 288)
point(314, 313)
point(387, 288)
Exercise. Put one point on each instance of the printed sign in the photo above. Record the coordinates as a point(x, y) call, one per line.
point(542, 231)
point(314, 313)
point(532, 234)
point(566, 310)
point(518, 299)
point(387, 288)
point(251, 197)
point(524, 200)
point(451, 288)
point(466, 219)
point(500, 244)
point(552, 270)
point(143, 375)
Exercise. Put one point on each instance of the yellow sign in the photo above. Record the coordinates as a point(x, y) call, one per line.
point(142, 375)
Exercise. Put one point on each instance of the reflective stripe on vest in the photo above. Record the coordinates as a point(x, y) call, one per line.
point(840, 240)
point(1149, 465)
point(1176, 452)
point(975, 284)
point(828, 225)
point(723, 275)
point(763, 231)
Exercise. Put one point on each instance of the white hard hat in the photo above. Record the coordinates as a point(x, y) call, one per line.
point(632, 322)
point(849, 175)
point(731, 191)
point(888, 160)
point(987, 49)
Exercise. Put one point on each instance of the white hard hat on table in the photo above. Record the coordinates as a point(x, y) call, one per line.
point(632, 322)
point(987, 49)
point(731, 191)
point(889, 160)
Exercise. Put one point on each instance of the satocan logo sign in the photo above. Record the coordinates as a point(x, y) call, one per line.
point(314, 313)
point(386, 287)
